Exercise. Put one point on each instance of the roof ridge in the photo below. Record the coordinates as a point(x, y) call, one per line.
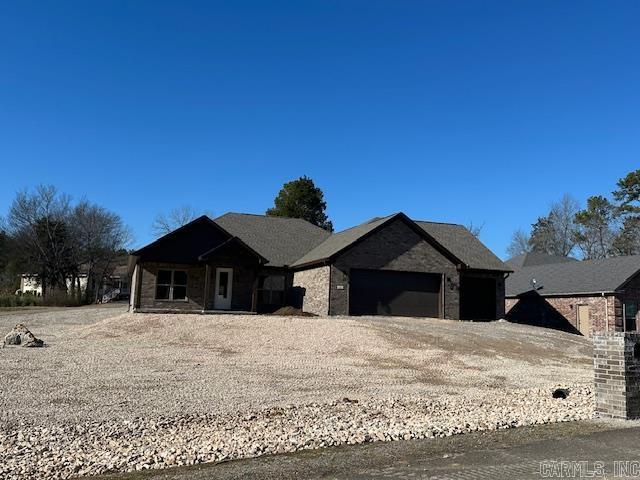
point(266, 216)
point(439, 223)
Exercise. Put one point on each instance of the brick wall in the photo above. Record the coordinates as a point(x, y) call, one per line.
point(241, 292)
point(195, 287)
point(616, 361)
point(314, 284)
point(604, 312)
point(395, 247)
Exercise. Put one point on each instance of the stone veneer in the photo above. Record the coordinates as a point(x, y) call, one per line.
point(616, 361)
point(315, 285)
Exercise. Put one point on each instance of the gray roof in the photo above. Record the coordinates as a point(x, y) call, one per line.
point(280, 240)
point(454, 238)
point(462, 244)
point(531, 259)
point(339, 241)
point(589, 276)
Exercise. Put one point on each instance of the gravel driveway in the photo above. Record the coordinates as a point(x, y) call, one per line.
point(105, 365)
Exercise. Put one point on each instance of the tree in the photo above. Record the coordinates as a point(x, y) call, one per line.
point(37, 222)
point(58, 242)
point(301, 199)
point(176, 218)
point(520, 243)
point(555, 233)
point(475, 230)
point(594, 232)
point(99, 235)
point(627, 240)
point(628, 192)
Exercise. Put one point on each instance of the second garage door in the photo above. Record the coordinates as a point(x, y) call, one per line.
point(385, 292)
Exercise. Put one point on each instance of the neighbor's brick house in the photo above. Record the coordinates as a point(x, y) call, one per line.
point(579, 296)
point(390, 265)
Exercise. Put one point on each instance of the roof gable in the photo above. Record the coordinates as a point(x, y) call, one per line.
point(185, 244)
point(454, 241)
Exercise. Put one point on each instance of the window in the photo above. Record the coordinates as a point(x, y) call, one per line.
point(171, 285)
point(271, 290)
point(630, 312)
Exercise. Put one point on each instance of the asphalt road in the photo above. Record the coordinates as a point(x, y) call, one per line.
point(523, 453)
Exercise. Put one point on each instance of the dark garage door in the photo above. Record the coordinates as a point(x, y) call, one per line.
point(384, 292)
point(477, 298)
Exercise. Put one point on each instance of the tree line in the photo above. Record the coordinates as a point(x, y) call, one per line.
point(606, 227)
point(46, 234)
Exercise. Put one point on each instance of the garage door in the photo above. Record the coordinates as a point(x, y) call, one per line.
point(384, 292)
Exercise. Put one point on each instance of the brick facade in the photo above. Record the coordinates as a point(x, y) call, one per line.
point(314, 286)
point(145, 290)
point(616, 361)
point(395, 247)
point(605, 313)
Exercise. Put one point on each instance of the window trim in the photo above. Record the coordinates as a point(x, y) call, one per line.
point(172, 285)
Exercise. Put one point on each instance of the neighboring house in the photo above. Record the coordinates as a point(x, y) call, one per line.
point(390, 265)
point(30, 284)
point(115, 286)
point(579, 296)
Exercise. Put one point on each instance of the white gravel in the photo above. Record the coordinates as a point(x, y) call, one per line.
point(115, 391)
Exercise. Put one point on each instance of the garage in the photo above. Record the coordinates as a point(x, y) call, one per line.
point(386, 292)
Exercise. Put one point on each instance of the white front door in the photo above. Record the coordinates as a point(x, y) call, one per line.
point(222, 294)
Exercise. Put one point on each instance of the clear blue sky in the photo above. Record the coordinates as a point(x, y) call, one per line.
point(451, 111)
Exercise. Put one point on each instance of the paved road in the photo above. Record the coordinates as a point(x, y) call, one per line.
point(510, 454)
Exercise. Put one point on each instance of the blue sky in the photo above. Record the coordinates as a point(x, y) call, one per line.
point(450, 111)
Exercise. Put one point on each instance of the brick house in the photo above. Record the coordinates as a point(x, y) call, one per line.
point(577, 296)
point(252, 263)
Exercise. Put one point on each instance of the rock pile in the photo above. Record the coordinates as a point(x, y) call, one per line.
point(20, 335)
point(64, 451)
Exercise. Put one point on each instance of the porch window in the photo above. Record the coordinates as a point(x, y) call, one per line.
point(171, 285)
point(271, 290)
point(630, 312)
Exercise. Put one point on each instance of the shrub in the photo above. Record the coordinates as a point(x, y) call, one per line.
point(26, 300)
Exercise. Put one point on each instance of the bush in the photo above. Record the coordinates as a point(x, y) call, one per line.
point(26, 300)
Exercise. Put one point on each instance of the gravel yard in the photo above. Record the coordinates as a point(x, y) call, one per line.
point(115, 391)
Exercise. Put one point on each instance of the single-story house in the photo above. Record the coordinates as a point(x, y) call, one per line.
point(252, 263)
point(578, 296)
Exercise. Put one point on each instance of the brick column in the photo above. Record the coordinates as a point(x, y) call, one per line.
point(616, 361)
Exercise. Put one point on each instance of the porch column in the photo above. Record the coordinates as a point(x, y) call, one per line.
point(207, 275)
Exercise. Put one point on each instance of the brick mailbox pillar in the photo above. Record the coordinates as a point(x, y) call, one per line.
point(616, 361)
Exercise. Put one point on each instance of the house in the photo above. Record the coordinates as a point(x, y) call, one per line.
point(252, 263)
point(30, 284)
point(578, 296)
point(114, 286)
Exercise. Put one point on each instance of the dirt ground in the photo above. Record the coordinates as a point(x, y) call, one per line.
point(101, 362)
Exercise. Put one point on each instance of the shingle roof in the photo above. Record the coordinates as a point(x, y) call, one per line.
point(589, 276)
point(339, 241)
point(454, 238)
point(531, 259)
point(461, 243)
point(280, 240)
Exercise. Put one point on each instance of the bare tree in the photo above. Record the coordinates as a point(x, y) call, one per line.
point(176, 218)
point(555, 233)
point(520, 243)
point(98, 236)
point(475, 230)
point(37, 222)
